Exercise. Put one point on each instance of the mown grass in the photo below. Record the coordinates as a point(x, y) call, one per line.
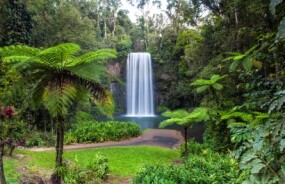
point(123, 161)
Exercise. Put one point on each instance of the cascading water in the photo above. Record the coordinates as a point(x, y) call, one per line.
point(139, 85)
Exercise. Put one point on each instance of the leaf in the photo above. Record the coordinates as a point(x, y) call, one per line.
point(281, 29)
point(239, 57)
point(89, 71)
point(201, 89)
point(256, 168)
point(273, 5)
point(218, 86)
point(234, 65)
point(247, 64)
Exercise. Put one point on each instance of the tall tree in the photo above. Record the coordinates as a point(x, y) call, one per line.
point(59, 75)
point(17, 23)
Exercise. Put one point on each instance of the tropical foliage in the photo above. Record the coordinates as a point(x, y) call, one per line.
point(185, 119)
point(59, 77)
point(228, 59)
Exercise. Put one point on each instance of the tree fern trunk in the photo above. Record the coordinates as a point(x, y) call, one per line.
point(59, 149)
point(2, 176)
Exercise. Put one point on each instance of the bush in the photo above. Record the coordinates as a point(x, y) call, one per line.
point(95, 172)
point(193, 147)
point(40, 139)
point(90, 131)
point(201, 167)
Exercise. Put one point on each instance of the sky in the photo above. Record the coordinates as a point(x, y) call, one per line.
point(134, 12)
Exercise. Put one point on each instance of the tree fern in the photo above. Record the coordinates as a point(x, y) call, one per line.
point(58, 75)
point(59, 100)
point(185, 119)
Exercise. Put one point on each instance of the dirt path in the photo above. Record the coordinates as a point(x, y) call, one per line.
point(154, 137)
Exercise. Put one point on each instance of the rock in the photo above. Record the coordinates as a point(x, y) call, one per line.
point(31, 179)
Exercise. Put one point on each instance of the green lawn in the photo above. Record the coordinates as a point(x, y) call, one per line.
point(123, 161)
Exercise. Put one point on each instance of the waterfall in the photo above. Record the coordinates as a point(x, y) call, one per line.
point(139, 85)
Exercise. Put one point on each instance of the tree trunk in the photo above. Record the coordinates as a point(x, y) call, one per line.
point(185, 139)
point(59, 149)
point(2, 175)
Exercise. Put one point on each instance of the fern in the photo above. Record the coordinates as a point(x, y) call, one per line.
point(248, 118)
point(58, 100)
point(184, 118)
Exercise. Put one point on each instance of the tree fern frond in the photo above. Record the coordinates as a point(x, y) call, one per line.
point(100, 56)
point(58, 100)
point(169, 122)
point(105, 104)
point(238, 115)
point(184, 118)
point(15, 59)
point(39, 90)
point(180, 113)
point(18, 50)
point(89, 71)
point(59, 55)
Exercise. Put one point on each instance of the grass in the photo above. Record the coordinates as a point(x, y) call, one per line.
point(123, 161)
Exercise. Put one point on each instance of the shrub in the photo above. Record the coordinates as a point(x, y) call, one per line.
point(95, 172)
point(201, 167)
point(193, 147)
point(90, 131)
point(40, 139)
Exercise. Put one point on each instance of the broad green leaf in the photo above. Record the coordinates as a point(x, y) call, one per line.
point(247, 64)
point(218, 86)
point(281, 29)
point(201, 89)
point(234, 65)
point(256, 168)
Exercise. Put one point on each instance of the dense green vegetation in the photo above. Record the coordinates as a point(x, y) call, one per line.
point(90, 131)
point(202, 166)
point(226, 56)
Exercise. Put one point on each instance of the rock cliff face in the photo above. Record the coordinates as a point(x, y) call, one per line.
point(117, 86)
